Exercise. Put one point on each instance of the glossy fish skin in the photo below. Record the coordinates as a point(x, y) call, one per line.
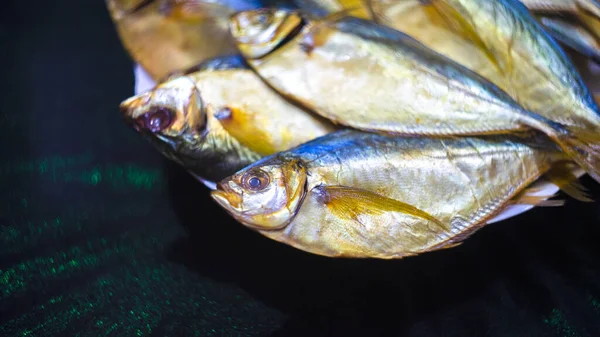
point(573, 35)
point(590, 22)
point(218, 118)
point(357, 8)
point(555, 6)
point(421, 21)
point(541, 74)
point(432, 27)
point(462, 182)
point(168, 35)
point(418, 91)
point(370, 77)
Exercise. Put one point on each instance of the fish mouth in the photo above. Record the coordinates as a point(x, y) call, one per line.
point(221, 197)
point(226, 198)
point(131, 107)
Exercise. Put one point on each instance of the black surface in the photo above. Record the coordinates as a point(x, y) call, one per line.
point(101, 236)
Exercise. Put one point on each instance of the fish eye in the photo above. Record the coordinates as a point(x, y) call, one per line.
point(260, 19)
point(255, 180)
point(156, 120)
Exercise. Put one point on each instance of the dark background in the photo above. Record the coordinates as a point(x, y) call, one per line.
point(101, 236)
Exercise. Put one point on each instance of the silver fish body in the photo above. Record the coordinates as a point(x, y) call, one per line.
point(543, 78)
point(370, 77)
point(461, 182)
point(219, 117)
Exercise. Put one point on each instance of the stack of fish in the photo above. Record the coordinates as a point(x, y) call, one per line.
point(368, 128)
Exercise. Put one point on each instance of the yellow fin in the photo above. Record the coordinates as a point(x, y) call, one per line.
point(582, 146)
point(526, 197)
point(562, 176)
point(538, 200)
point(247, 127)
point(348, 203)
point(458, 23)
point(451, 245)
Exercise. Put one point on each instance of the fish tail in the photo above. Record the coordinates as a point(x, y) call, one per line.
point(581, 145)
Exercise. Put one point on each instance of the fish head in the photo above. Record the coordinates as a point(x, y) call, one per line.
point(169, 115)
point(265, 195)
point(258, 32)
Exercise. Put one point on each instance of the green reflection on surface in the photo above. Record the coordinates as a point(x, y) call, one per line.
point(77, 169)
point(560, 324)
point(62, 264)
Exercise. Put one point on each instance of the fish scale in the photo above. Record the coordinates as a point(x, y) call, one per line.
point(417, 90)
point(542, 74)
point(420, 196)
point(223, 117)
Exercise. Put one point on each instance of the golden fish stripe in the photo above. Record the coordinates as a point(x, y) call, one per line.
point(349, 203)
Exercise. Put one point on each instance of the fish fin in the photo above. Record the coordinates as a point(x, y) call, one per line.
point(451, 245)
point(538, 200)
point(582, 146)
point(532, 196)
point(349, 202)
point(461, 25)
point(562, 176)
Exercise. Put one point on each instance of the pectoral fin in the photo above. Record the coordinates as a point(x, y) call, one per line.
point(462, 25)
point(348, 203)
